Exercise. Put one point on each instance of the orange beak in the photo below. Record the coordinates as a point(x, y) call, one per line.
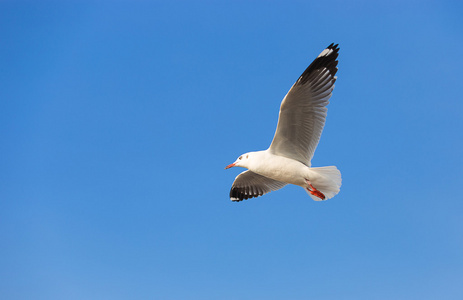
point(229, 166)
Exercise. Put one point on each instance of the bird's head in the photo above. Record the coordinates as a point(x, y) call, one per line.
point(242, 161)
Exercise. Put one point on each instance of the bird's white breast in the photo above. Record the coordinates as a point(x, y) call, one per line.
point(280, 168)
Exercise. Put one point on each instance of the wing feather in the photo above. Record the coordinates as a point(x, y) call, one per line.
point(303, 110)
point(250, 185)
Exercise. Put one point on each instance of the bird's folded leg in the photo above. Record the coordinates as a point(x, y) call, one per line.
point(314, 191)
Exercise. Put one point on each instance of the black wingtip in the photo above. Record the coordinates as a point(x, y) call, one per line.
point(334, 47)
point(238, 194)
point(326, 59)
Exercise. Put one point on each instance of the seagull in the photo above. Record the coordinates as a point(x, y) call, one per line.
point(300, 125)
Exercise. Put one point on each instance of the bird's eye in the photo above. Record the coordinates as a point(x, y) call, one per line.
point(240, 157)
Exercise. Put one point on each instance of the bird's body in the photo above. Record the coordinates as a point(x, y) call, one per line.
point(301, 121)
point(279, 168)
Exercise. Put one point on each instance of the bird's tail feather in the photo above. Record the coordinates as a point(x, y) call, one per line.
point(328, 182)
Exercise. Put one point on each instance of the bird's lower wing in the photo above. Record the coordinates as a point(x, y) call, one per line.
point(250, 185)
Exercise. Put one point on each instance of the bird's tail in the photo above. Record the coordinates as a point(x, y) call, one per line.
point(327, 180)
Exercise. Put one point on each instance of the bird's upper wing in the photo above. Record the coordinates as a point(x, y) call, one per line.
point(303, 110)
point(249, 185)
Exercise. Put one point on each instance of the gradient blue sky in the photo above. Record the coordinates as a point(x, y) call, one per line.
point(117, 119)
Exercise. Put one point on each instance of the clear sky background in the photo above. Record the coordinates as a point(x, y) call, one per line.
point(118, 118)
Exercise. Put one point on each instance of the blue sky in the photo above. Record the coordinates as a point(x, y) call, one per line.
point(117, 119)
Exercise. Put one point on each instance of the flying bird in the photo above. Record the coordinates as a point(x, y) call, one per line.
point(300, 125)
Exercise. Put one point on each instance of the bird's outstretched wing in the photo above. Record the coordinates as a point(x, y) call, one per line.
point(303, 110)
point(249, 185)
